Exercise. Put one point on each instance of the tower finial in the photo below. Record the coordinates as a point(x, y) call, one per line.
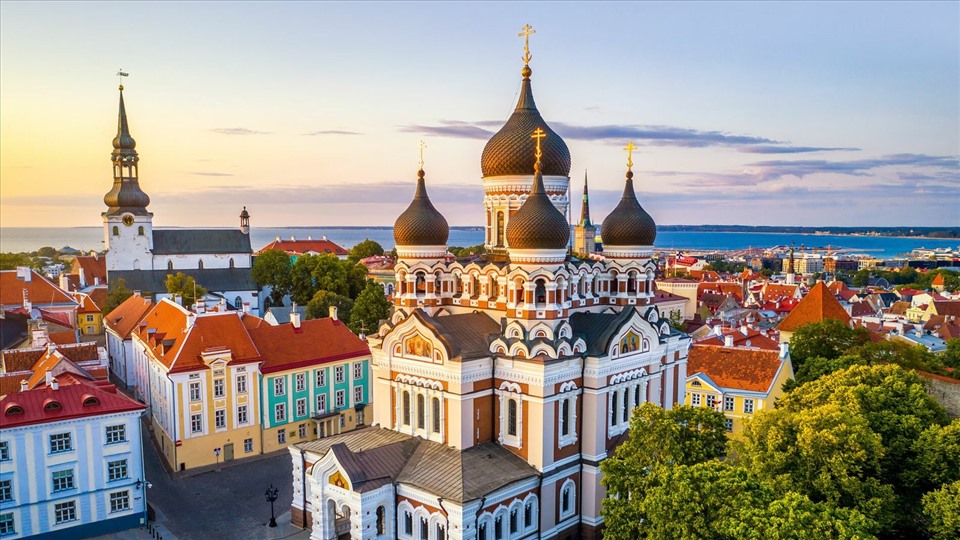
point(525, 33)
point(538, 134)
point(630, 147)
point(421, 146)
point(122, 74)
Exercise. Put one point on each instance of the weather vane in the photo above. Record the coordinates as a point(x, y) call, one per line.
point(122, 74)
point(538, 134)
point(422, 145)
point(525, 33)
point(630, 147)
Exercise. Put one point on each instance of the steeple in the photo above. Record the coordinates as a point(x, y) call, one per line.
point(585, 206)
point(126, 195)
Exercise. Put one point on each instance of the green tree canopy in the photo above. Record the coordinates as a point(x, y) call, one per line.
point(370, 308)
point(319, 305)
point(117, 293)
point(10, 261)
point(48, 252)
point(828, 339)
point(365, 249)
point(942, 509)
point(273, 268)
point(951, 358)
point(186, 287)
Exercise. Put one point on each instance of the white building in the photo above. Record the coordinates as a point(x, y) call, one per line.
point(120, 324)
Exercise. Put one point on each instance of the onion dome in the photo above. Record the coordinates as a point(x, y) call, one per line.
point(421, 224)
point(629, 224)
point(508, 151)
point(538, 224)
point(126, 195)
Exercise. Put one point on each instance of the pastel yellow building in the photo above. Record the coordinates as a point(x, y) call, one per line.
point(737, 381)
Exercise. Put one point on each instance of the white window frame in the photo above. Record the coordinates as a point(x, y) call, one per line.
point(62, 443)
point(321, 403)
point(748, 405)
point(121, 428)
point(341, 399)
point(572, 486)
point(321, 377)
point(6, 490)
point(4, 450)
point(120, 466)
point(7, 518)
point(510, 391)
point(65, 506)
point(357, 394)
point(695, 399)
point(280, 413)
point(194, 390)
point(219, 387)
point(339, 374)
point(247, 446)
point(300, 382)
point(242, 384)
point(711, 401)
point(570, 393)
point(220, 419)
point(357, 370)
point(282, 436)
point(301, 407)
point(122, 500)
point(196, 423)
point(729, 403)
point(243, 415)
point(279, 386)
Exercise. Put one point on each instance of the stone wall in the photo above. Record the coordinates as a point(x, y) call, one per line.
point(946, 391)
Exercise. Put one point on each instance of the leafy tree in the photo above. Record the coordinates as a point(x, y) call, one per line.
point(951, 357)
point(478, 249)
point(273, 268)
point(356, 276)
point(942, 509)
point(117, 293)
point(796, 517)
point(319, 305)
point(186, 287)
point(365, 249)
point(827, 339)
point(369, 309)
point(47, 252)
point(816, 367)
point(938, 457)
point(302, 281)
point(896, 352)
point(10, 261)
point(861, 278)
point(330, 275)
point(766, 272)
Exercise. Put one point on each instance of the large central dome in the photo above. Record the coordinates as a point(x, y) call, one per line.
point(508, 152)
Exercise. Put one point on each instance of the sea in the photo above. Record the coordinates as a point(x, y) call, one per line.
point(26, 239)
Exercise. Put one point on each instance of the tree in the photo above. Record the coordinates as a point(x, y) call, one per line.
point(942, 509)
point(330, 275)
point(367, 248)
point(186, 287)
point(48, 252)
point(117, 293)
point(937, 452)
point(827, 339)
point(319, 305)
point(10, 261)
point(272, 268)
point(816, 367)
point(369, 309)
point(302, 281)
point(795, 517)
point(356, 276)
point(861, 278)
point(951, 358)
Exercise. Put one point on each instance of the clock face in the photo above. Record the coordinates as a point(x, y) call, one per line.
point(128, 220)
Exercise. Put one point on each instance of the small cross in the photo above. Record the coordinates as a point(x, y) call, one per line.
point(525, 33)
point(538, 134)
point(422, 145)
point(630, 147)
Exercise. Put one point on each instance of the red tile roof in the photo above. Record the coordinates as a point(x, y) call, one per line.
point(63, 338)
point(93, 267)
point(76, 397)
point(938, 280)
point(299, 247)
point(772, 291)
point(40, 290)
point(947, 307)
point(737, 368)
point(99, 296)
point(753, 338)
point(127, 315)
point(722, 287)
point(861, 309)
point(817, 306)
point(316, 341)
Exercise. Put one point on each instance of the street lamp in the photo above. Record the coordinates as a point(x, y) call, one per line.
point(272, 494)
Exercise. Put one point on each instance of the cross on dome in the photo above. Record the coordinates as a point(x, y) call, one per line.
point(630, 147)
point(538, 134)
point(421, 146)
point(525, 33)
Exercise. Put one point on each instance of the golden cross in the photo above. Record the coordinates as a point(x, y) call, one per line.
point(538, 134)
point(630, 147)
point(525, 33)
point(422, 146)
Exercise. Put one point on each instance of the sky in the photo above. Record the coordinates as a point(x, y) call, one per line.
point(310, 114)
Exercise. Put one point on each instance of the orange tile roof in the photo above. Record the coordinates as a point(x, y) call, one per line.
point(753, 338)
point(947, 307)
point(938, 280)
point(99, 296)
point(817, 306)
point(772, 291)
point(87, 305)
point(40, 290)
point(127, 315)
point(299, 247)
point(93, 267)
point(735, 367)
point(63, 338)
point(722, 287)
point(316, 341)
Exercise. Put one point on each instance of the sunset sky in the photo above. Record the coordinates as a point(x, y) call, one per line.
point(309, 113)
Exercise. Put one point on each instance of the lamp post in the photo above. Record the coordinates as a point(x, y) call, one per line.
point(272, 494)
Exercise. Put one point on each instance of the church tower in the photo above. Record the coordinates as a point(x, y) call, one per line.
point(584, 232)
point(127, 225)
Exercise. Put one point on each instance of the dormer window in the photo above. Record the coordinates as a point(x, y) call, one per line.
point(90, 401)
point(52, 406)
point(12, 410)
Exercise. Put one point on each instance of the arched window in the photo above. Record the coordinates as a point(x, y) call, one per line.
point(200, 264)
point(436, 415)
point(636, 394)
point(406, 408)
point(116, 230)
point(231, 263)
point(140, 230)
point(381, 520)
point(540, 293)
point(565, 417)
point(170, 264)
point(514, 521)
point(613, 407)
point(626, 406)
point(632, 282)
point(500, 229)
point(237, 302)
point(482, 532)
point(441, 532)
point(424, 528)
point(421, 286)
point(512, 417)
point(566, 500)
point(421, 411)
point(498, 528)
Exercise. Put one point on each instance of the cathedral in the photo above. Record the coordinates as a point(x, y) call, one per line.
point(500, 385)
point(218, 259)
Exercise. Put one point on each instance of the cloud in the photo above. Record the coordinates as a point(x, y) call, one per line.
point(331, 132)
point(239, 131)
point(800, 168)
point(451, 128)
point(760, 149)
point(199, 173)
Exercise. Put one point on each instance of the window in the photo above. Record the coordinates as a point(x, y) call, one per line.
point(711, 401)
point(357, 370)
point(626, 407)
point(63, 480)
point(7, 525)
point(407, 522)
point(247, 446)
point(528, 515)
point(119, 501)
point(116, 230)
point(748, 406)
point(421, 411)
point(302, 431)
point(60, 442)
point(321, 403)
point(241, 384)
point(280, 412)
point(636, 395)
point(341, 398)
point(565, 417)
point(482, 532)
point(282, 436)
point(436, 415)
point(514, 521)
point(381, 520)
point(728, 424)
point(169, 265)
point(614, 408)
point(116, 470)
point(65, 511)
point(6, 490)
point(406, 408)
point(339, 374)
point(195, 391)
point(424, 529)
point(343, 421)
point(242, 414)
point(357, 395)
point(728, 403)
point(278, 386)
point(498, 528)
point(301, 407)
point(140, 231)
point(512, 417)
point(301, 379)
point(219, 388)
point(695, 400)
point(116, 434)
point(89, 318)
point(441, 532)
point(220, 418)
point(196, 423)
point(4, 451)
point(568, 496)
point(321, 377)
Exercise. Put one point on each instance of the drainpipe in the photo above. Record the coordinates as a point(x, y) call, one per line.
point(303, 487)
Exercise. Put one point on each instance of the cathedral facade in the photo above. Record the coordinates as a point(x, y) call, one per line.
point(500, 385)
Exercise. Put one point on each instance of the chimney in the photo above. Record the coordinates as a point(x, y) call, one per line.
point(64, 282)
point(200, 306)
point(246, 307)
point(83, 278)
point(278, 239)
point(96, 281)
point(784, 350)
point(295, 318)
point(309, 238)
point(54, 385)
point(38, 334)
point(24, 273)
point(178, 299)
point(718, 330)
point(23, 385)
point(27, 306)
point(728, 341)
point(136, 293)
point(48, 378)
point(293, 238)
point(744, 330)
point(333, 312)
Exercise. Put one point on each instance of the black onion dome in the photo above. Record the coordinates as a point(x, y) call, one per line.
point(126, 195)
point(421, 224)
point(508, 151)
point(629, 224)
point(538, 224)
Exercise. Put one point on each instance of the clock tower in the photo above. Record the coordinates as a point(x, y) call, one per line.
point(127, 225)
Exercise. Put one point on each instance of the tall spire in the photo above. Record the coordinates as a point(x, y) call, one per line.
point(585, 205)
point(126, 195)
point(123, 143)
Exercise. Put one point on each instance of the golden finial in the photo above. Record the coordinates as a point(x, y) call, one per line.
point(630, 147)
point(122, 74)
point(538, 134)
point(525, 33)
point(422, 145)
